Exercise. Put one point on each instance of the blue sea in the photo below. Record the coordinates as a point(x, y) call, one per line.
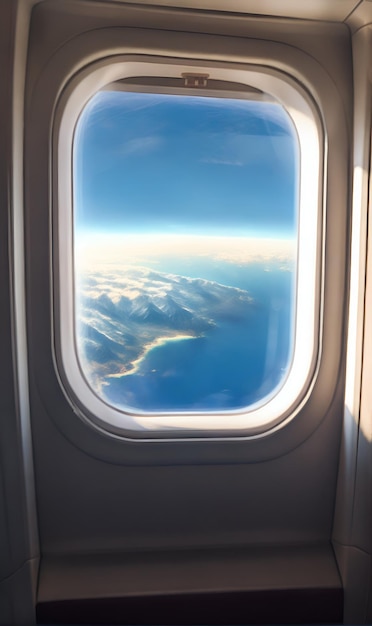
point(235, 363)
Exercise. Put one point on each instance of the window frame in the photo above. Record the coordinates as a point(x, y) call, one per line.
point(51, 68)
point(277, 409)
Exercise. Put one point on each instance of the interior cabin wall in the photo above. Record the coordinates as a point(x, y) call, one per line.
point(88, 505)
point(353, 520)
point(133, 504)
point(19, 551)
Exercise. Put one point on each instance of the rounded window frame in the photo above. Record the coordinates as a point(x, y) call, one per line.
point(227, 424)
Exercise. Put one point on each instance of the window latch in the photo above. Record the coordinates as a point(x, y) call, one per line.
point(195, 80)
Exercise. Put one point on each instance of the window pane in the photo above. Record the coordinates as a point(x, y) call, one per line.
point(185, 231)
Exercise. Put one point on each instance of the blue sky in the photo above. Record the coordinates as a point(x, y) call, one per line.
point(153, 163)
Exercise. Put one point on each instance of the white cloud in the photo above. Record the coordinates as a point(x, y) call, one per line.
point(140, 145)
point(221, 161)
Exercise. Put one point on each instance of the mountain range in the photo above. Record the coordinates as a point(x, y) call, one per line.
point(122, 312)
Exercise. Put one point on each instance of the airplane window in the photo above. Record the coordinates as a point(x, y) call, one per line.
point(185, 218)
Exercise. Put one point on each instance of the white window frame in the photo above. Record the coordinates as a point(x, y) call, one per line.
point(284, 402)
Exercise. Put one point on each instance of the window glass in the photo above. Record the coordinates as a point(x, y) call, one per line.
point(185, 246)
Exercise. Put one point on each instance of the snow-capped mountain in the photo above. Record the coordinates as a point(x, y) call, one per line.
point(120, 314)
